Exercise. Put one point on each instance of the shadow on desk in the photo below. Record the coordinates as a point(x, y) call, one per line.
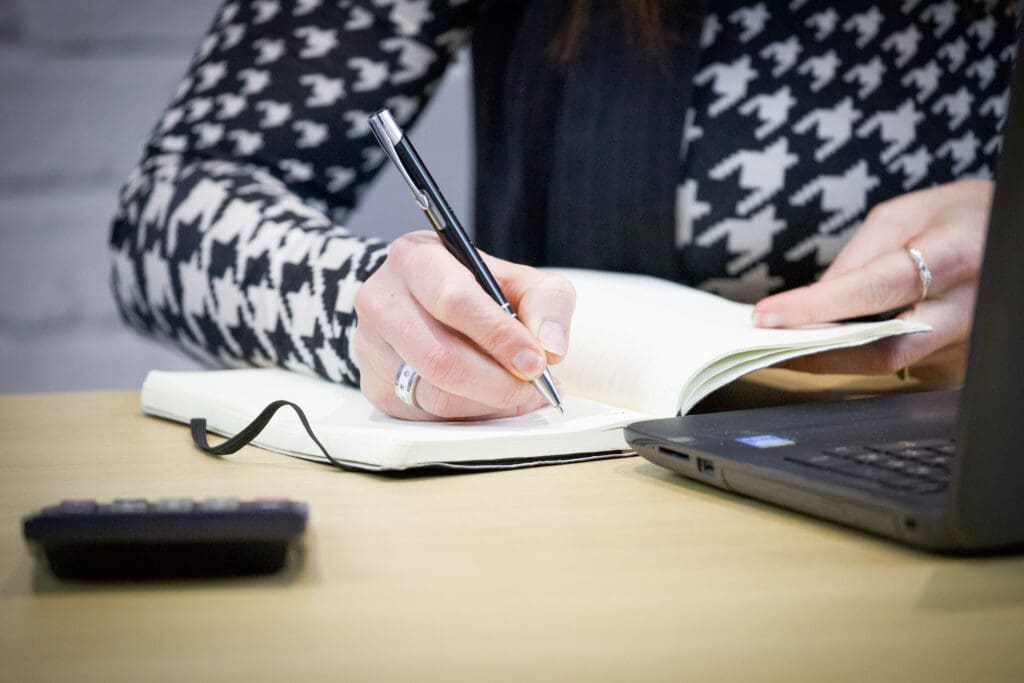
point(953, 584)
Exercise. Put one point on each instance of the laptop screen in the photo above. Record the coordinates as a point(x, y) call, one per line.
point(987, 494)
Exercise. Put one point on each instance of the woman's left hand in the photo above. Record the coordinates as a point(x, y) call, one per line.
point(874, 273)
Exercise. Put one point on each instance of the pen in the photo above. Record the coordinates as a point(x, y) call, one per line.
point(429, 198)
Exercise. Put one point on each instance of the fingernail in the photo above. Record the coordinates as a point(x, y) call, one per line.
point(552, 337)
point(767, 320)
point(528, 363)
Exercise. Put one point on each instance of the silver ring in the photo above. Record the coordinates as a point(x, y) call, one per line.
point(923, 273)
point(406, 380)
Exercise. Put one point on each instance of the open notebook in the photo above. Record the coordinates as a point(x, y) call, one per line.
point(640, 347)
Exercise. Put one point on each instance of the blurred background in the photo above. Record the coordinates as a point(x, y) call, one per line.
point(81, 83)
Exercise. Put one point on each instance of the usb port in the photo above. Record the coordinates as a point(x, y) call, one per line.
point(705, 466)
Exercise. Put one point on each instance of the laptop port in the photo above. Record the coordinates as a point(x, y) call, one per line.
point(674, 454)
point(705, 466)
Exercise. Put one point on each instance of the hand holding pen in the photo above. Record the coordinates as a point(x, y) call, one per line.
point(436, 337)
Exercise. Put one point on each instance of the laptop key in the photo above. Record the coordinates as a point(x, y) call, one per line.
point(847, 451)
point(912, 453)
point(925, 472)
point(823, 461)
point(870, 457)
point(895, 445)
point(895, 464)
point(874, 469)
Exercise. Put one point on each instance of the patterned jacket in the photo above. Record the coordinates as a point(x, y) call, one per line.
point(230, 239)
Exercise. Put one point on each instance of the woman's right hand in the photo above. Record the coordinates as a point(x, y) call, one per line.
point(474, 360)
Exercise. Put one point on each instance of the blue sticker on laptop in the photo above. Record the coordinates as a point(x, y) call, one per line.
point(765, 441)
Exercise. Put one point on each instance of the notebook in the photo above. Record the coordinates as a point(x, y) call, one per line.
point(938, 470)
point(640, 347)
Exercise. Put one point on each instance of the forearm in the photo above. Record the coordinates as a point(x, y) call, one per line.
point(227, 239)
point(223, 260)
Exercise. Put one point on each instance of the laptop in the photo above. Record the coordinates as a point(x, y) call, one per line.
point(936, 470)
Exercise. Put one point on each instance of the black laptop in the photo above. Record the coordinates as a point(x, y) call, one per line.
point(939, 470)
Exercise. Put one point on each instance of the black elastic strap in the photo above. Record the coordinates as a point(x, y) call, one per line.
point(251, 431)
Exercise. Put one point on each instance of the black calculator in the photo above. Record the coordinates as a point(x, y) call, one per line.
point(168, 538)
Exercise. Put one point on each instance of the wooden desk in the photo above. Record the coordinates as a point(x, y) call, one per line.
point(605, 571)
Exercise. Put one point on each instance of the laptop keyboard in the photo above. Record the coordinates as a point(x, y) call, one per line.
point(921, 466)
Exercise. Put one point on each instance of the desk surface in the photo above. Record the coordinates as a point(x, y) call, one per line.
point(612, 570)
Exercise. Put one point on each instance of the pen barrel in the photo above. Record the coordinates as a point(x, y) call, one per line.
point(446, 223)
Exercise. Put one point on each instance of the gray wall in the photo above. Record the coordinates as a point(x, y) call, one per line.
point(81, 82)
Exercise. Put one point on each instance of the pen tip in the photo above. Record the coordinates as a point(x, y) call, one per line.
point(560, 409)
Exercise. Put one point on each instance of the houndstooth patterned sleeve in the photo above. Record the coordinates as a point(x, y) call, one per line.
point(228, 240)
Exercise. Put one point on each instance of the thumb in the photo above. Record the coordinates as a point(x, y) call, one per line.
point(545, 305)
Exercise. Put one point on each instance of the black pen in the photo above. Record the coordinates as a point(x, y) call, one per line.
point(429, 198)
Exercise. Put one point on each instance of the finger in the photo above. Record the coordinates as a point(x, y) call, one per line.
point(544, 302)
point(443, 358)
point(454, 298)
point(895, 223)
point(950, 330)
point(890, 281)
point(378, 384)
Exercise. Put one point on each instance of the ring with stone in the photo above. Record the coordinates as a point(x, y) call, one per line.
point(923, 273)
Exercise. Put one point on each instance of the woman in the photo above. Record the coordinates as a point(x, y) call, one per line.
point(738, 148)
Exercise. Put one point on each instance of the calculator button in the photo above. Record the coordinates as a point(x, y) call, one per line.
point(175, 505)
point(77, 507)
point(129, 505)
point(219, 504)
point(272, 503)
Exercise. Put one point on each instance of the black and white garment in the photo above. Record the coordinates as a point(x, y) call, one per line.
point(806, 114)
point(229, 238)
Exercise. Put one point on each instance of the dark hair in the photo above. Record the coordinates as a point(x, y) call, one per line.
point(646, 25)
point(644, 21)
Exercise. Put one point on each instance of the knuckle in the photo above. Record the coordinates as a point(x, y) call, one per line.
point(503, 337)
point(405, 249)
point(880, 213)
point(401, 247)
point(441, 367)
point(450, 302)
point(560, 286)
point(369, 302)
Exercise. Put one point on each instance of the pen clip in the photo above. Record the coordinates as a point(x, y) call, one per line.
point(388, 134)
